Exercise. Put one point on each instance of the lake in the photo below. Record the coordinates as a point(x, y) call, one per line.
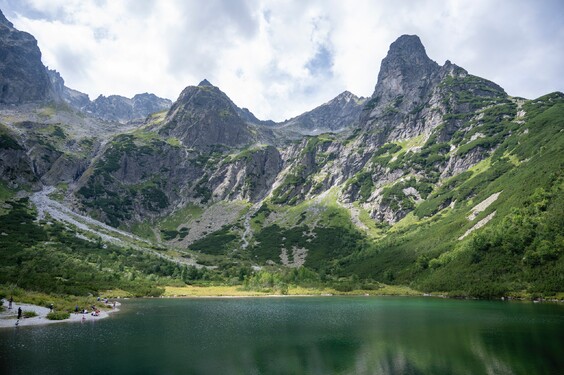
point(293, 335)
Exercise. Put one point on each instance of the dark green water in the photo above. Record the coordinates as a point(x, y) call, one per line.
point(318, 335)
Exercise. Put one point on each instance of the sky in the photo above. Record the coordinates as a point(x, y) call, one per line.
point(282, 58)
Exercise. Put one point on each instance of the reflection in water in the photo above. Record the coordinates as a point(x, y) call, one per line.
point(338, 335)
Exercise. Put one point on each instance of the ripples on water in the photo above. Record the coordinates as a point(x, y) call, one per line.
point(318, 335)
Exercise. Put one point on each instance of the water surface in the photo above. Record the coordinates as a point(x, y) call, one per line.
point(317, 335)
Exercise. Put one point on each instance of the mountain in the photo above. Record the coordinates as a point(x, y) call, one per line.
point(338, 114)
point(203, 116)
point(112, 108)
point(23, 78)
point(122, 109)
point(440, 181)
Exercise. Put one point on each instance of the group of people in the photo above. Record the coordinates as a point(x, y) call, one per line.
point(95, 311)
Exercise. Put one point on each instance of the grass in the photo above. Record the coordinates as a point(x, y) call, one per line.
point(237, 291)
point(411, 142)
point(58, 315)
point(29, 314)
point(182, 216)
point(144, 230)
point(61, 303)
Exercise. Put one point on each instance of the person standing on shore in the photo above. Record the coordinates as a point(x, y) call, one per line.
point(10, 302)
point(19, 313)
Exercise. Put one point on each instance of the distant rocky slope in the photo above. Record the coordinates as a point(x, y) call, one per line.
point(111, 108)
point(339, 114)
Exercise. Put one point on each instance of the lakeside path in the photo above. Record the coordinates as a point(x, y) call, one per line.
point(8, 317)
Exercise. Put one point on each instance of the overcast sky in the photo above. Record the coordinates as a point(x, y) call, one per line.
point(282, 58)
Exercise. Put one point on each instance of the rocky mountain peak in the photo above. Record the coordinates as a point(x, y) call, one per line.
point(4, 21)
point(205, 82)
point(204, 116)
point(336, 115)
point(405, 66)
point(408, 50)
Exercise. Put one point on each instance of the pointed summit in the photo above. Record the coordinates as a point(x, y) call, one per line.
point(404, 71)
point(406, 61)
point(204, 83)
point(408, 49)
point(204, 117)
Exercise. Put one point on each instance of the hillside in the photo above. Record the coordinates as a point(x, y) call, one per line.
point(439, 181)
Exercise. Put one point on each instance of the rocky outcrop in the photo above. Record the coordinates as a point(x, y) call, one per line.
point(23, 77)
point(75, 98)
point(15, 165)
point(249, 176)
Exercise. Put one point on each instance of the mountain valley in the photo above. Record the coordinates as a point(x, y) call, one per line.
point(440, 182)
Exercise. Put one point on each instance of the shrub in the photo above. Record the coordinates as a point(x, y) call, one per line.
point(58, 315)
point(29, 314)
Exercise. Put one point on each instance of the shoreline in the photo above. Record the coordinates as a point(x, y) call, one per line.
point(233, 292)
point(8, 317)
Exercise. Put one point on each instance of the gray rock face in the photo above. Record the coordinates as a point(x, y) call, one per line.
point(15, 165)
point(249, 117)
point(204, 117)
point(334, 116)
point(111, 108)
point(75, 98)
point(146, 103)
point(405, 83)
point(406, 71)
point(248, 177)
point(23, 77)
point(122, 109)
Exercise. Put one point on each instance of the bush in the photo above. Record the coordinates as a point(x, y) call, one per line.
point(29, 314)
point(58, 315)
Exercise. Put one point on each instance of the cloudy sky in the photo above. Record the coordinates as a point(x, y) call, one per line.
point(281, 58)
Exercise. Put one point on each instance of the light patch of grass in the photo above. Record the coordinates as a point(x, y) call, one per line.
point(210, 291)
point(182, 216)
point(158, 117)
point(406, 144)
point(143, 230)
point(394, 290)
point(173, 141)
point(364, 216)
point(480, 167)
point(512, 158)
point(237, 291)
point(145, 136)
point(48, 111)
point(408, 220)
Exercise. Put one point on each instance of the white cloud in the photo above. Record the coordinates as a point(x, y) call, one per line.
point(281, 58)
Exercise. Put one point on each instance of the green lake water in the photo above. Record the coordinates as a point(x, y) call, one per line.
point(314, 335)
